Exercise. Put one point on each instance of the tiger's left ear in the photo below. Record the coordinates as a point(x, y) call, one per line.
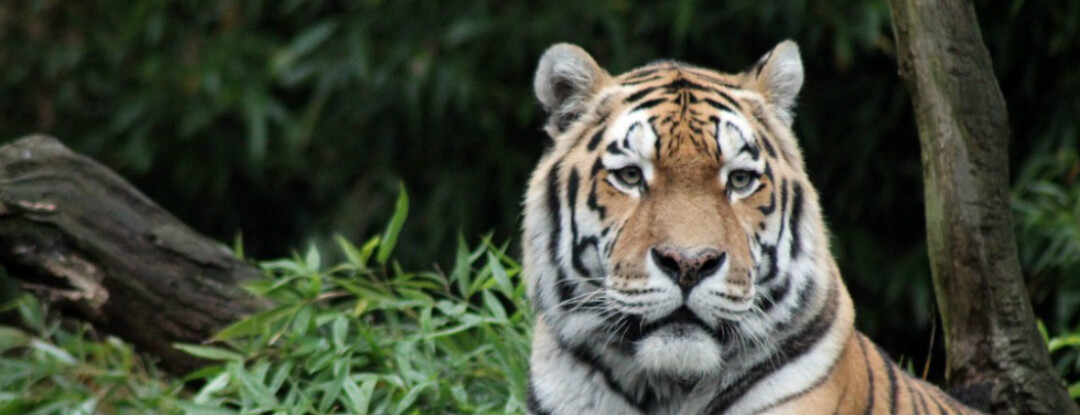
point(778, 76)
point(565, 80)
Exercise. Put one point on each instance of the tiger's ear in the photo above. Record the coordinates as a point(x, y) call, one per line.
point(565, 79)
point(778, 76)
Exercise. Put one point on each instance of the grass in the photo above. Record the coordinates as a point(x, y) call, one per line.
point(360, 336)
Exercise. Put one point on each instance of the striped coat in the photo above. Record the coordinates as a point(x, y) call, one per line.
point(676, 254)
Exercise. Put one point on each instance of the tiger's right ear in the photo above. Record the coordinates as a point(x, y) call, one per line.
point(565, 80)
point(778, 76)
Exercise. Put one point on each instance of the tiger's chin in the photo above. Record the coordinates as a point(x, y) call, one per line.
point(682, 350)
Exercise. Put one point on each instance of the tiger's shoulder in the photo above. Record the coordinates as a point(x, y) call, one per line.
point(866, 381)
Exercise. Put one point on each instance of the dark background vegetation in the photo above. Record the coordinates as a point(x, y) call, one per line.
point(288, 121)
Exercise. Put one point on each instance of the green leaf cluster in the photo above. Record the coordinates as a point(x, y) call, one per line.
point(360, 336)
point(51, 367)
point(1046, 206)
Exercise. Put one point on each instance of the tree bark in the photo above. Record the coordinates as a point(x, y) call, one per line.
point(996, 361)
point(80, 236)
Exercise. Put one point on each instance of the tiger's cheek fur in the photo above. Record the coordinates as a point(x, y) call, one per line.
point(627, 256)
point(617, 212)
point(755, 213)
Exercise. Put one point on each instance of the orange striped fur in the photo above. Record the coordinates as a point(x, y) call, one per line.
point(677, 257)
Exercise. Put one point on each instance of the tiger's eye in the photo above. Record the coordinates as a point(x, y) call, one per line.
point(740, 179)
point(630, 176)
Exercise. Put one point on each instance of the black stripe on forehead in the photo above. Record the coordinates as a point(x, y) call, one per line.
point(640, 94)
point(613, 149)
point(626, 138)
point(649, 104)
point(640, 73)
point(678, 84)
point(710, 78)
point(727, 99)
point(716, 129)
point(683, 84)
point(656, 141)
point(718, 105)
point(640, 81)
point(645, 75)
point(748, 145)
point(620, 147)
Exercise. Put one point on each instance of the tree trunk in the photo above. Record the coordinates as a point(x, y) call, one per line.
point(80, 236)
point(996, 359)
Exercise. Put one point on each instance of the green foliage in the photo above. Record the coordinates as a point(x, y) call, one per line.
point(46, 369)
point(1046, 202)
point(288, 121)
point(361, 336)
point(358, 337)
point(1065, 350)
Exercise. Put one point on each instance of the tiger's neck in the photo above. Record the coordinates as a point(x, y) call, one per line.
point(805, 358)
point(572, 376)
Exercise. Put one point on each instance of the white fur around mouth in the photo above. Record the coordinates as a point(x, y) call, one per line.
point(681, 349)
point(711, 303)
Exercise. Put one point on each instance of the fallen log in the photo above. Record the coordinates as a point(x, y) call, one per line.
point(79, 236)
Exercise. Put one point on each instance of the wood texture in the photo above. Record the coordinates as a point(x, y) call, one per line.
point(81, 237)
point(996, 359)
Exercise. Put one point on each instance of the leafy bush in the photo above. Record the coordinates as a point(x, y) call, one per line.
point(1065, 350)
point(362, 336)
point(47, 367)
point(1046, 206)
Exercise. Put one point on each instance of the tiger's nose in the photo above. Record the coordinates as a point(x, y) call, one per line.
point(688, 268)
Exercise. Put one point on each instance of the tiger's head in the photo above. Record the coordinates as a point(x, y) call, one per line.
point(672, 222)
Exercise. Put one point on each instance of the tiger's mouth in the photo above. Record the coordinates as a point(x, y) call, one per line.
point(681, 344)
point(680, 323)
point(681, 316)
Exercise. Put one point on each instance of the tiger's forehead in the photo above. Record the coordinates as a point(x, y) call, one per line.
point(681, 111)
point(670, 71)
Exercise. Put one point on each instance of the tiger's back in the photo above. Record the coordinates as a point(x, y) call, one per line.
point(676, 254)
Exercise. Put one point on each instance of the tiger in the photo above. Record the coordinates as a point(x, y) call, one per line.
point(676, 257)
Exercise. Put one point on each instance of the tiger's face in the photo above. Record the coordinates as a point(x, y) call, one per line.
point(654, 223)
